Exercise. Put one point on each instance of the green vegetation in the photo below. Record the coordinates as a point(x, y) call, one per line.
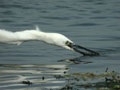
point(103, 81)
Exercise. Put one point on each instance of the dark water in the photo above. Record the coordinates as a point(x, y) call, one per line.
point(94, 24)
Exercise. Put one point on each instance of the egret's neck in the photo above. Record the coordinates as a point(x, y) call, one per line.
point(38, 35)
point(30, 35)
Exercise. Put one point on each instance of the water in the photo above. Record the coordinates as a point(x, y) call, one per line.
point(94, 24)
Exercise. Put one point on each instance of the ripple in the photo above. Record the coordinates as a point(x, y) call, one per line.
point(97, 11)
point(8, 12)
point(19, 55)
point(13, 75)
point(116, 11)
point(62, 7)
point(100, 3)
point(116, 17)
point(43, 23)
point(21, 25)
point(98, 17)
point(14, 6)
point(57, 18)
point(6, 21)
point(88, 0)
point(111, 38)
point(84, 24)
point(75, 61)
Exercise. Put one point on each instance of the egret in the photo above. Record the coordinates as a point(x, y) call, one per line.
point(58, 39)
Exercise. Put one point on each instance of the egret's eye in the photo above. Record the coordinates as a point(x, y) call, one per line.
point(68, 43)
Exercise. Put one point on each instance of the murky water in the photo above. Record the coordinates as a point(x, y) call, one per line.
point(94, 24)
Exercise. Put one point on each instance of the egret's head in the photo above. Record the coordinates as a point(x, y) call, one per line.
point(77, 48)
point(68, 45)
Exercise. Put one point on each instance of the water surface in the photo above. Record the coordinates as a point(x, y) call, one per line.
point(94, 24)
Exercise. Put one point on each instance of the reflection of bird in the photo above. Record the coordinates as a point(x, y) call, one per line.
point(38, 35)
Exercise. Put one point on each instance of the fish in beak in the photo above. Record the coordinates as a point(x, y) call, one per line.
point(80, 49)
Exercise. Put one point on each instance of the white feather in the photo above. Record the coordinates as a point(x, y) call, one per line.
point(28, 35)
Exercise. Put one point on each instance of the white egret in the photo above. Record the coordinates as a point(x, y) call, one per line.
point(51, 38)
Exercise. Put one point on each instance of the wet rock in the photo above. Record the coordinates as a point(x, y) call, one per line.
point(27, 82)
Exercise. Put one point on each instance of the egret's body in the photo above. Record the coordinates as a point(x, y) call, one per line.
point(38, 35)
point(29, 35)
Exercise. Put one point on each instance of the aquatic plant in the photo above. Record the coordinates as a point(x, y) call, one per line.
point(102, 81)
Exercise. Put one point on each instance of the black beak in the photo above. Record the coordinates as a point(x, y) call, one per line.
point(89, 52)
point(84, 51)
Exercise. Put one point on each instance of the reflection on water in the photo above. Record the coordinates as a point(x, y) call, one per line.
point(12, 76)
point(16, 76)
point(77, 60)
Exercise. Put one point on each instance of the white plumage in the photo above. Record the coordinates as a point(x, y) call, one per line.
point(38, 35)
point(28, 35)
